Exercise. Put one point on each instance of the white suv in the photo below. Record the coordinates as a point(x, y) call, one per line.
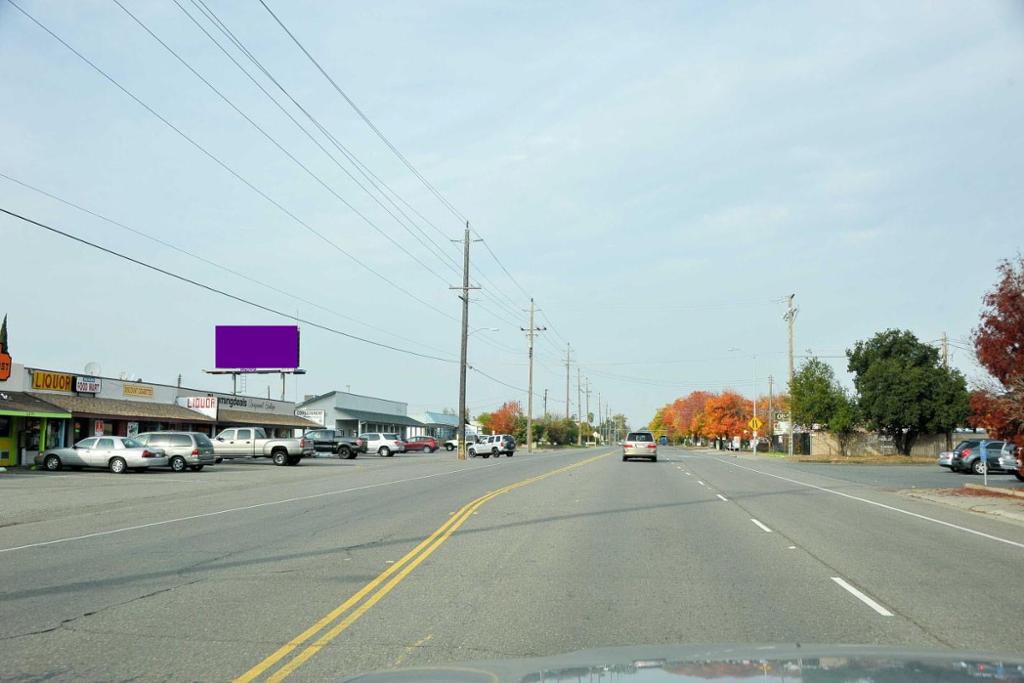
point(384, 445)
point(493, 445)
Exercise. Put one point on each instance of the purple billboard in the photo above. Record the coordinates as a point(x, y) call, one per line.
point(257, 347)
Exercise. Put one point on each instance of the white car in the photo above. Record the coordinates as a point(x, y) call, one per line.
point(494, 445)
point(116, 453)
point(384, 445)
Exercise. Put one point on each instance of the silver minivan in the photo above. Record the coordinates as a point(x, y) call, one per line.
point(185, 450)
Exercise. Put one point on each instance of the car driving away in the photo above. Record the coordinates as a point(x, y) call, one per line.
point(640, 445)
point(115, 453)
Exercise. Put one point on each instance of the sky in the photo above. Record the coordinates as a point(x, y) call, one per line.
point(658, 176)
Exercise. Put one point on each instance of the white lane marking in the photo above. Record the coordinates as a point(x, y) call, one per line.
point(792, 547)
point(881, 505)
point(862, 597)
point(687, 474)
point(178, 520)
point(722, 497)
point(760, 524)
point(701, 483)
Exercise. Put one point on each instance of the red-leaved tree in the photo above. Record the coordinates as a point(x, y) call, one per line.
point(999, 346)
point(503, 420)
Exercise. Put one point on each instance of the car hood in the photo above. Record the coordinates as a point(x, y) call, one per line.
point(655, 663)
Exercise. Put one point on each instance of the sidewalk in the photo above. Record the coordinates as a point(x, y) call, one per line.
point(975, 499)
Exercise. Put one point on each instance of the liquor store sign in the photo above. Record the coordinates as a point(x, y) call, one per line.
point(52, 381)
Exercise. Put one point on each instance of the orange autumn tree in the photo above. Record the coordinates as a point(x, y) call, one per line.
point(687, 412)
point(503, 420)
point(726, 415)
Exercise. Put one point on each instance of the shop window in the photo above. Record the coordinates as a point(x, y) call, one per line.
point(5, 426)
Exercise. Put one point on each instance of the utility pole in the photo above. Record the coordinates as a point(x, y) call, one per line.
point(545, 404)
point(465, 341)
point(790, 314)
point(771, 417)
point(529, 402)
point(754, 431)
point(945, 364)
point(579, 408)
point(568, 359)
point(587, 394)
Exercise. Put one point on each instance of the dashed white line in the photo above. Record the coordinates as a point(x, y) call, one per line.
point(701, 483)
point(722, 497)
point(877, 504)
point(687, 474)
point(761, 524)
point(862, 597)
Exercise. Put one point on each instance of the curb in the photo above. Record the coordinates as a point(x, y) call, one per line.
point(993, 489)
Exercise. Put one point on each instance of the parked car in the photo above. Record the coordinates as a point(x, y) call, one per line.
point(333, 442)
point(967, 456)
point(384, 445)
point(252, 442)
point(946, 459)
point(452, 444)
point(427, 444)
point(1010, 460)
point(184, 450)
point(116, 453)
point(495, 445)
point(640, 445)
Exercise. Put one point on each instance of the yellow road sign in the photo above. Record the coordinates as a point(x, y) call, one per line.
point(755, 423)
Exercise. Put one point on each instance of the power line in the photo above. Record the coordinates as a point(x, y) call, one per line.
point(223, 164)
point(364, 170)
point(280, 147)
point(455, 212)
point(222, 292)
point(207, 261)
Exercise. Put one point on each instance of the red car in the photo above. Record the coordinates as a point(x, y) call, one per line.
point(427, 444)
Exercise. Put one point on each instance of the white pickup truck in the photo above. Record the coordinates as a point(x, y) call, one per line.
point(252, 442)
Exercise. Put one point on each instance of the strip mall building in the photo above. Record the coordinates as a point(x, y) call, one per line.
point(42, 409)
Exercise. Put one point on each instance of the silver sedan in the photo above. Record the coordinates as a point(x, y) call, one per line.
point(116, 453)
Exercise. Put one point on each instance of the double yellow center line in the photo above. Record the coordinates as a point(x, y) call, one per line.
point(343, 616)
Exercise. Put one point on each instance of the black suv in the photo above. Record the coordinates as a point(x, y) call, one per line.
point(330, 441)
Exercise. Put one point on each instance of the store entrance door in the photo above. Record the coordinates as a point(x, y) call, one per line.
point(8, 449)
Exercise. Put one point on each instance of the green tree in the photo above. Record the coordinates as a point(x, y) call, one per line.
point(903, 390)
point(815, 393)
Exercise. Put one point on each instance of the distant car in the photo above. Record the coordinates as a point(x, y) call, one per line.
point(640, 445)
point(495, 445)
point(663, 440)
point(427, 444)
point(384, 445)
point(967, 457)
point(184, 450)
point(116, 453)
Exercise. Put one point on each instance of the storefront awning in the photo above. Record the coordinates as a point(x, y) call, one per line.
point(249, 417)
point(130, 410)
point(26, 405)
point(380, 418)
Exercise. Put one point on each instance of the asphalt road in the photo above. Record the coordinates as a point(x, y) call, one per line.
point(338, 567)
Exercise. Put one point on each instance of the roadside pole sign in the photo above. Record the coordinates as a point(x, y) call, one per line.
point(755, 424)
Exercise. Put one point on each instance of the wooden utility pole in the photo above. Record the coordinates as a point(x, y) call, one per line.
point(945, 364)
point(790, 313)
point(545, 404)
point(771, 417)
point(529, 402)
point(465, 341)
point(568, 360)
point(579, 408)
